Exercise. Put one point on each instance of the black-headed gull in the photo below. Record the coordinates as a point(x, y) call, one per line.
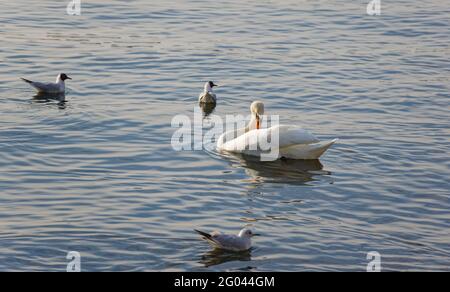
point(50, 88)
point(240, 242)
point(208, 95)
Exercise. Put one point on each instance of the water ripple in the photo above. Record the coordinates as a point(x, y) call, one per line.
point(97, 174)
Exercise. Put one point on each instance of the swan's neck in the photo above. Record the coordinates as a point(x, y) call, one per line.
point(252, 125)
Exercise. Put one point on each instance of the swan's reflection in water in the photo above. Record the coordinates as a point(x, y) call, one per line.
point(207, 108)
point(217, 257)
point(45, 98)
point(279, 171)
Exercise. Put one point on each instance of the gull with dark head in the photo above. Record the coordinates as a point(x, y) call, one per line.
point(208, 95)
point(58, 87)
point(237, 243)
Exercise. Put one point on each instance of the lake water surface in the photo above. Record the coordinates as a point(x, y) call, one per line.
point(98, 175)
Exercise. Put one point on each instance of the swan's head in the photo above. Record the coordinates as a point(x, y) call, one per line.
point(62, 77)
point(209, 86)
point(247, 233)
point(257, 109)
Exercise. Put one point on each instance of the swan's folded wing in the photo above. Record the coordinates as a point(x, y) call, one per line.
point(291, 135)
point(255, 139)
point(249, 141)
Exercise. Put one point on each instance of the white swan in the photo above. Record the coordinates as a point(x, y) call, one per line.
point(294, 142)
point(208, 95)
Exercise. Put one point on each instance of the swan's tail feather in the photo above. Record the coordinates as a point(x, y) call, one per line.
point(307, 151)
point(328, 144)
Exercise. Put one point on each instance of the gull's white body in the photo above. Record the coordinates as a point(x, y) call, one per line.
point(294, 142)
point(49, 88)
point(240, 242)
point(208, 95)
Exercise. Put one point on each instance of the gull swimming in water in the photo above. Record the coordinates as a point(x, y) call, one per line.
point(294, 142)
point(208, 95)
point(58, 87)
point(240, 242)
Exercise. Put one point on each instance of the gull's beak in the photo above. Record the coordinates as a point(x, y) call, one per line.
point(69, 78)
point(256, 234)
point(215, 85)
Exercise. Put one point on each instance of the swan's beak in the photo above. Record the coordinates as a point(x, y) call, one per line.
point(258, 122)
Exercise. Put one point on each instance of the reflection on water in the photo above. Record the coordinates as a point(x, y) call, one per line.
point(217, 257)
point(279, 171)
point(50, 96)
point(46, 98)
point(105, 163)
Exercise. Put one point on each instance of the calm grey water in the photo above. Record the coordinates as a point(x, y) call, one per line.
point(97, 174)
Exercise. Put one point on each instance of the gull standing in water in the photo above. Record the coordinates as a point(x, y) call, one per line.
point(240, 242)
point(58, 87)
point(208, 95)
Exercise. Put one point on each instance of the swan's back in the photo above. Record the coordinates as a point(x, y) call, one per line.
point(288, 136)
point(293, 135)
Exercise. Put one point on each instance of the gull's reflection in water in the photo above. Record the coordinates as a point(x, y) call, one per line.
point(45, 98)
point(280, 171)
point(207, 108)
point(217, 257)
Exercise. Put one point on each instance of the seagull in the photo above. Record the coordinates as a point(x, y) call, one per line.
point(208, 96)
point(50, 88)
point(240, 242)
